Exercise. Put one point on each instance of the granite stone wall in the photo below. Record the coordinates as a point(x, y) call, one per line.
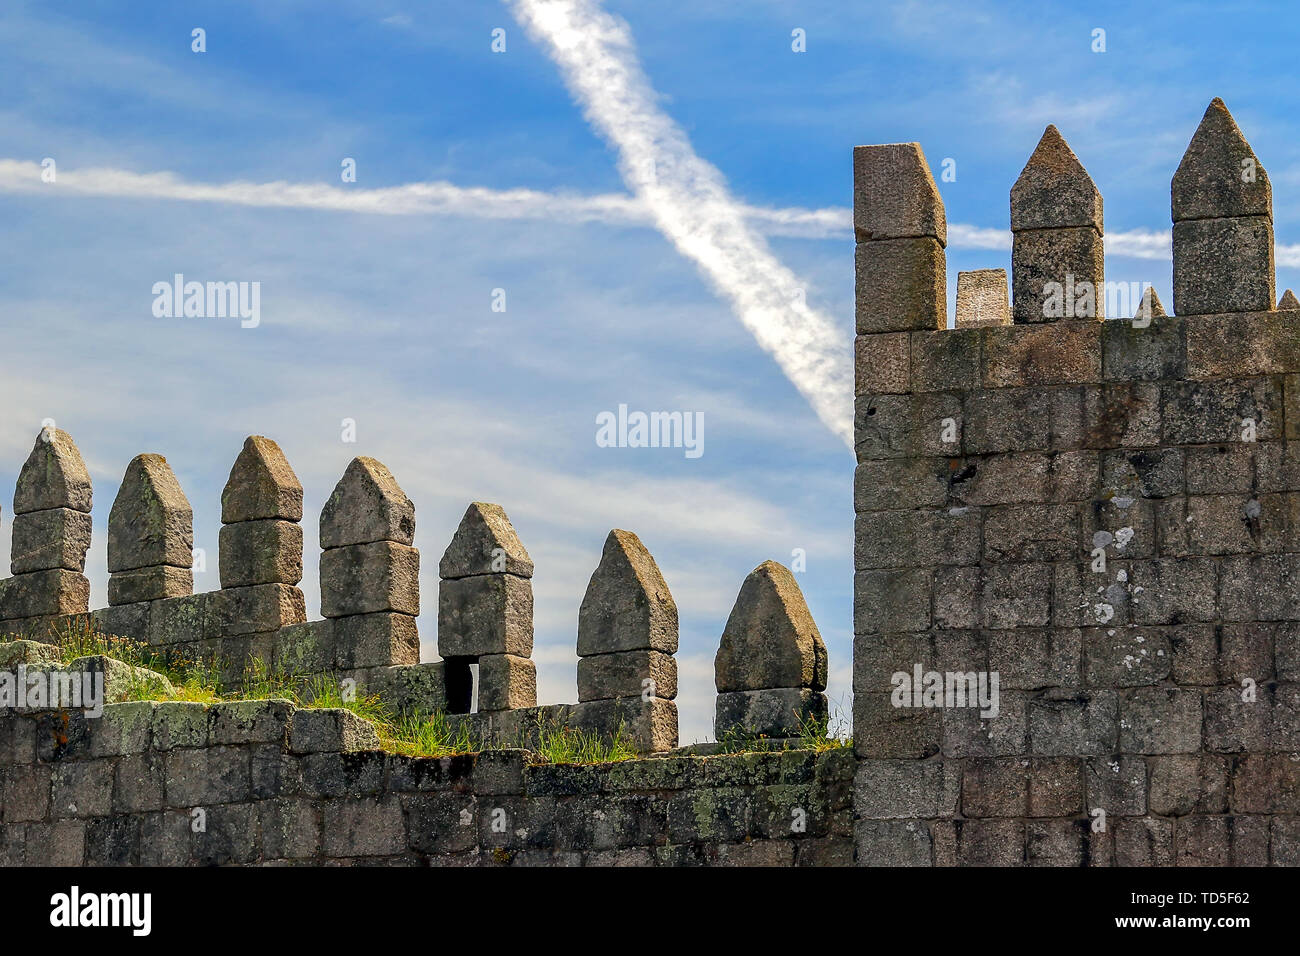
point(264, 782)
point(1094, 516)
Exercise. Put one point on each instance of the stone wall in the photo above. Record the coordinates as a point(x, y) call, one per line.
point(1102, 515)
point(263, 782)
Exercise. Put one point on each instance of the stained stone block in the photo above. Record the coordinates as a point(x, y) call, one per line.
point(901, 285)
point(894, 195)
point(367, 505)
point(331, 730)
point(891, 600)
point(375, 640)
point(982, 298)
point(1067, 352)
point(268, 551)
point(506, 682)
point(1157, 351)
point(261, 485)
point(648, 725)
point(485, 614)
point(1054, 190)
point(306, 648)
point(770, 639)
point(1223, 265)
point(54, 476)
point(259, 609)
point(149, 584)
point(1159, 720)
point(945, 359)
point(1219, 174)
point(1048, 270)
point(623, 674)
point(773, 712)
point(882, 730)
point(410, 688)
point(39, 593)
point(882, 363)
point(627, 605)
point(151, 523)
point(361, 578)
point(485, 542)
point(1189, 783)
point(44, 540)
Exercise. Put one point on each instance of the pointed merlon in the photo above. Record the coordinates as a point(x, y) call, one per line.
point(1288, 301)
point(982, 298)
point(1219, 176)
point(1150, 306)
point(54, 476)
point(261, 485)
point(367, 505)
point(1054, 191)
point(894, 195)
point(770, 640)
point(628, 606)
point(151, 523)
point(485, 543)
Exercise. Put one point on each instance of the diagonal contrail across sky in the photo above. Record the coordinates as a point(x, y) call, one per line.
point(690, 202)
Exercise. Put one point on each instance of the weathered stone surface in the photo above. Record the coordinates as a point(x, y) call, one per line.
point(1223, 265)
point(882, 363)
point(982, 298)
point(13, 653)
point(54, 476)
point(151, 522)
point(1288, 301)
point(261, 485)
point(627, 605)
point(772, 712)
point(506, 682)
point(266, 551)
point(650, 726)
point(39, 593)
point(485, 614)
point(1061, 353)
point(306, 648)
point(381, 639)
point(410, 688)
point(945, 359)
point(770, 640)
point(1054, 191)
point(363, 578)
point(149, 584)
point(44, 540)
point(1057, 274)
point(894, 194)
point(625, 673)
point(367, 505)
point(485, 542)
point(1219, 175)
point(901, 285)
point(258, 609)
point(331, 730)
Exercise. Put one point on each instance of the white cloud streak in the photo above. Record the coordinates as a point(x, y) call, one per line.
point(690, 202)
point(475, 202)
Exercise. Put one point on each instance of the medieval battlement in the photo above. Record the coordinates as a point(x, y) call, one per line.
point(1096, 516)
point(771, 665)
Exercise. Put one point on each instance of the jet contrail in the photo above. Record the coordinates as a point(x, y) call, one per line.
point(477, 202)
point(691, 204)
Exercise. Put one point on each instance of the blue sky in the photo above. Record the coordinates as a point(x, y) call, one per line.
point(386, 318)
